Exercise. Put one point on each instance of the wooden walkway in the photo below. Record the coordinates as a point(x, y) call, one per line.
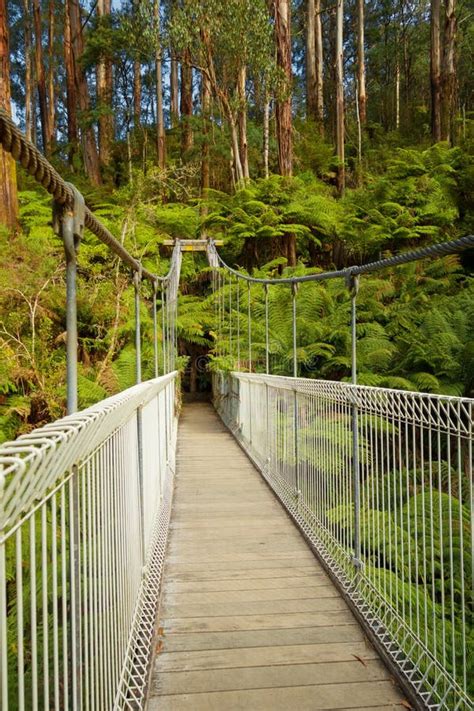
point(249, 621)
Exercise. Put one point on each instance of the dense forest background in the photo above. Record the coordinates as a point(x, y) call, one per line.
point(307, 135)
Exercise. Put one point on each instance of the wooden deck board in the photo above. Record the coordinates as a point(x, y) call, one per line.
point(249, 620)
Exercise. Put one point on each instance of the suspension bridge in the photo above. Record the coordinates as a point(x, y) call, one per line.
point(302, 544)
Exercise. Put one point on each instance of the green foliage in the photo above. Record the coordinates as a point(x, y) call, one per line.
point(405, 340)
point(413, 199)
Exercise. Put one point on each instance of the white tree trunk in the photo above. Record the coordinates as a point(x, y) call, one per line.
point(341, 178)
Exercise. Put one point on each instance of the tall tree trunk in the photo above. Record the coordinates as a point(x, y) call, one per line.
point(174, 80)
point(234, 135)
point(137, 94)
point(205, 154)
point(174, 90)
point(241, 90)
point(8, 188)
point(361, 62)
point(314, 64)
point(104, 94)
point(341, 178)
point(283, 104)
point(397, 96)
point(448, 79)
point(89, 147)
point(71, 97)
point(331, 74)
point(160, 121)
point(186, 103)
point(311, 85)
point(206, 106)
point(51, 73)
point(41, 79)
point(29, 79)
point(319, 68)
point(266, 134)
point(283, 114)
point(435, 71)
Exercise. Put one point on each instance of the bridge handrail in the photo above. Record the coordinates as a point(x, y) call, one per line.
point(84, 512)
point(380, 481)
point(34, 463)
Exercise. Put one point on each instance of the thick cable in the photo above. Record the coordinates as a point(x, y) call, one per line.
point(435, 250)
point(32, 160)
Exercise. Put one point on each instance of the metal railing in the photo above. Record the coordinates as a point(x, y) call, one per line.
point(380, 480)
point(84, 510)
point(387, 505)
point(85, 504)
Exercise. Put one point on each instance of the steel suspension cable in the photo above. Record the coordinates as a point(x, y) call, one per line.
point(32, 160)
point(435, 250)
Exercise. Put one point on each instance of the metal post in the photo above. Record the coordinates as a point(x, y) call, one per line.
point(219, 313)
point(294, 289)
point(231, 348)
point(163, 327)
point(249, 316)
point(238, 323)
point(69, 222)
point(267, 342)
point(155, 329)
point(353, 285)
point(137, 277)
point(296, 448)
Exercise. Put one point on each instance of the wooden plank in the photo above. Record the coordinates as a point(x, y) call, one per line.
point(363, 695)
point(175, 564)
point(193, 682)
point(268, 594)
point(308, 582)
point(265, 656)
point(266, 573)
point(261, 607)
point(260, 638)
point(256, 622)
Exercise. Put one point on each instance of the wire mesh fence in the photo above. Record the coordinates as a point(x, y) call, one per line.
point(380, 481)
point(84, 510)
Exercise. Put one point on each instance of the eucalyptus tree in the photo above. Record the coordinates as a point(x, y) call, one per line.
point(340, 119)
point(314, 63)
point(448, 72)
point(104, 74)
point(8, 189)
point(435, 71)
point(81, 93)
point(228, 41)
point(282, 10)
point(41, 78)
